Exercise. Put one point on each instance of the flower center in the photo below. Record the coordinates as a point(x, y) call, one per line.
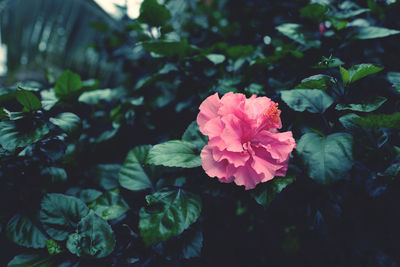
point(272, 113)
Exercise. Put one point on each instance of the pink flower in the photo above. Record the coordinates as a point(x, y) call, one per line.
point(244, 144)
point(321, 28)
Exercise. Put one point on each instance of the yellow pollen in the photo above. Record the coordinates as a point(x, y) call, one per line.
point(273, 113)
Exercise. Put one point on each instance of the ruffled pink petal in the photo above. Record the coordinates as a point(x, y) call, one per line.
point(263, 164)
point(232, 104)
point(232, 133)
point(279, 145)
point(208, 110)
point(245, 175)
point(235, 158)
point(211, 167)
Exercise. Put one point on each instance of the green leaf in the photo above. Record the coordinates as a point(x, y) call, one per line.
point(110, 205)
point(27, 99)
point(94, 237)
point(326, 159)
point(106, 175)
point(363, 107)
point(54, 174)
point(372, 32)
point(175, 153)
point(12, 136)
point(345, 75)
point(31, 260)
point(380, 120)
point(345, 14)
point(67, 84)
point(193, 135)
point(358, 71)
point(216, 58)
point(154, 14)
point(394, 78)
point(239, 51)
point(320, 81)
point(265, 193)
point(132, 176)
point(60, 214)
point(168, 214)
point(23, 231)
point(53, 247)
point(312, 100)
point(86, 195)
point(67, 121)
point(297, 33)
point(254, 89)
point(348, 122)
point(169, 48)
point(315, 12)
point(185, 246)
point(330, 62)
point(49, 99)
point(96, 96)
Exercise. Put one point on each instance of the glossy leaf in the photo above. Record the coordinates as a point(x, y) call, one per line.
point(326, 159)
point(167, 214)
point(265, 193)
point(31, 260)
point(363, 107)
point(311, 100)
point(94, 237)
point(132, 175)
point(28, 99)
point(373, 32)
point(67, 84)
point(297, 33)
point(380, 120)
point(175, 153)
point(67, 121)
point(60, 214)
point(358, 71)
point(110, 205)
point(320, 81)
point(24, 231)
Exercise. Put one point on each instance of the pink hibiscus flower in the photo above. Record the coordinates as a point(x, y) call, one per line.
point(244, 144)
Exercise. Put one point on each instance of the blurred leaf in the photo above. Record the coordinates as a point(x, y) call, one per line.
point(239, 51)
point(297, 33)
point(132, 175)
point(168, 214)
point(315, 12)
point(363, 107)
point(67, 121)
point(12, 137)
point(23, 231)
point(169, 48)
point(320, 81)
point(60, 214)
point(394, 78)
point(380, 120)
point(326, 159)
point(216, 58)
point(265, 193)
point(358, 71)
point(312, 100)
point(193, 135)
point(174, 153)
point(54, 174)
point(94, 97)
point(106, 175)
point(31, 260)
point(27, 99)
point(154, 14)
point(94, 237)
point(49, 99)
point(110, 205)
point(67, 84)
point(346, 14)
point(372, 32)
point(254, 89)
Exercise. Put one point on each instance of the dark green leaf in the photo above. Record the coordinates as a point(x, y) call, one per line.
point(169, 48)
point(53, 247)
point(12, 137)
point(168, 214)
point(193, 135)
point(110, 205)
point(363, 107)
point(67, 121)
point(345, 14)
point(297, 33)
point(329, 62)
point(27, 99)
point(132, 176)
point(265, 193)
point(67, 84)
point(24, 231)
point(380, 120)
point(60, 214)
point(96, 96)
point(314, 12)
point(154, 14)
point(394, 78)
point(312, 100)
point(174, 153)
point(86, 195)
point(326, 159)
point(54, 174)
point(358, 71)
point(348, 121)
point(319, 81)
point(30, 260)
point(94, 237)
point(372, 32)
point(106, 175)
